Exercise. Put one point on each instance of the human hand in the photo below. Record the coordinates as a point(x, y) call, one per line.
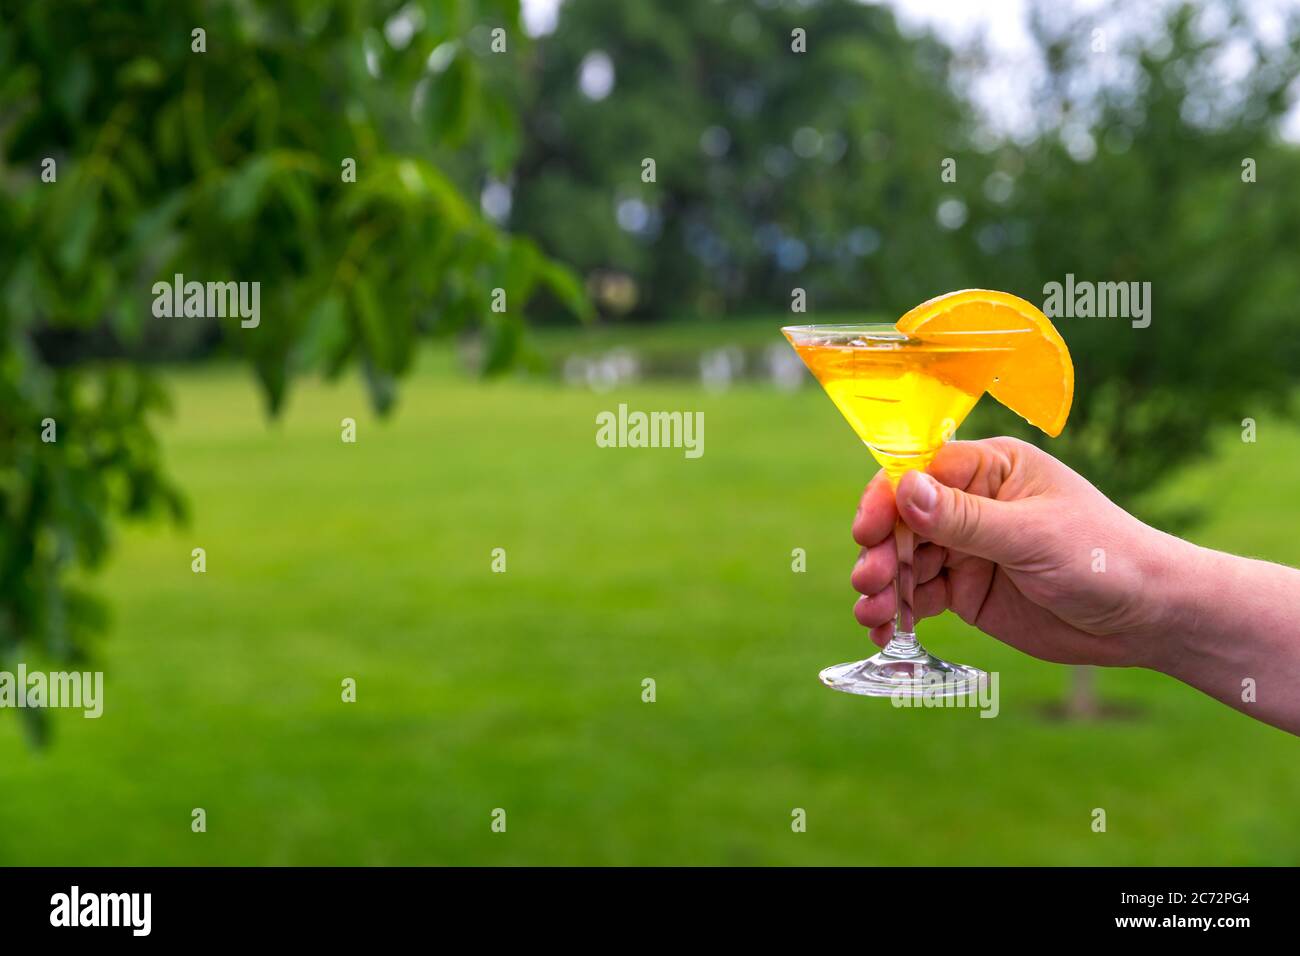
point(1023, 548)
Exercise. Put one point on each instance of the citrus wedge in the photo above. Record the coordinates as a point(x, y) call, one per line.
point(1037, 382)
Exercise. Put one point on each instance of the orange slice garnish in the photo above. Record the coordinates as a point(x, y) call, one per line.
point(1037, 381)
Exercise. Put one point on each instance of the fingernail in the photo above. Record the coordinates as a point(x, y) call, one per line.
point(925, 495)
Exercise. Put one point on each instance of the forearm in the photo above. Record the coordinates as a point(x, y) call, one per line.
point(1234, 632)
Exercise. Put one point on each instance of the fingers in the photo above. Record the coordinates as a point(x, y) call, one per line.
point(874, 570)
point(1007, 469)
point(873, 576)
point(876, 513)
point(876, 609)
point(969, 583)
point(929, 560)
point(985, 527)
point(876, 566)
point(931, 598)
point(979, 467)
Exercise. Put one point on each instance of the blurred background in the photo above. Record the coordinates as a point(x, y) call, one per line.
point(389, 172)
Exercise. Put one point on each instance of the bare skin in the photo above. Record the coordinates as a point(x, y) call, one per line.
point(1029, 552)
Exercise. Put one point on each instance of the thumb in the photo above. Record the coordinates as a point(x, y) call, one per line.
point(984, 527)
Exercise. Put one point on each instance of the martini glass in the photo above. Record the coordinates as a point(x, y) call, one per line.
point(904, 395)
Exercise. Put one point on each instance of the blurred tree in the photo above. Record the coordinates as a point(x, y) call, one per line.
point(774, 168)
point(1156, 160)
point(1146, 182)
point(148, 138)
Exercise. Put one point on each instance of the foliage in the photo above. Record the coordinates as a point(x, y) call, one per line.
point(226, 165)
point(774, 168)
point(1146, 181)
point(1130, 172)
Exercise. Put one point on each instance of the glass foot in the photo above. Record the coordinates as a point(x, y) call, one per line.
point(885, 675)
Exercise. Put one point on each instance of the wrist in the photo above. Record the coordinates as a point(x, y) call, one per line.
point(1187, 586)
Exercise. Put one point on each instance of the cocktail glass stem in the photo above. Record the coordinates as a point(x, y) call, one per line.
point(903, 644)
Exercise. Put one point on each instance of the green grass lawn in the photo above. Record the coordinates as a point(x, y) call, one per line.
point(523, 690)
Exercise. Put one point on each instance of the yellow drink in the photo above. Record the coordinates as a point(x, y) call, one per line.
point(903, 397)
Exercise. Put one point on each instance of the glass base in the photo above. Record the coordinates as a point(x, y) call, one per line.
point(885, 675)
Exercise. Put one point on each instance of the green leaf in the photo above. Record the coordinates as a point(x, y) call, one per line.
point(326, 335)
point(567, 287)
point(504, 336)
point(143, 72)
point(501, 135)
point(241, 192)
point(522, 262)
point(78, 231)
point(370, 323)
point(450, 100)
